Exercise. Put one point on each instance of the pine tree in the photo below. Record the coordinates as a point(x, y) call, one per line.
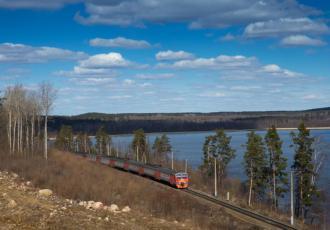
point(277, 176)
point(217, 147)
point(139, 145)
point(162, 147)
point(255, 166)
point(303, 167)
point(64, 140)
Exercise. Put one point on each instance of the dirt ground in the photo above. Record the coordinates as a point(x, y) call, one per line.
point(21, 207)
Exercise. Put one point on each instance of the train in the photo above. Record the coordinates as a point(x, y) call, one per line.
point(177, 179)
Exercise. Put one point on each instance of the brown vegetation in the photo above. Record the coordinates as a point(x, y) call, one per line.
point(76, 178)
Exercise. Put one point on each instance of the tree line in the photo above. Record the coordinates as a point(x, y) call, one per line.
point(139, 149)
point(266, 167)
point(26, 115)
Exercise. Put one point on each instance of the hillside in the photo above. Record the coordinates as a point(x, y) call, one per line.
point(176, 122)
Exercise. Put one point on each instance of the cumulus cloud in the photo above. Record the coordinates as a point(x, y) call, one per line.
point(219, 62)
point(11, 52)
point(301, 40)
point(278, 71)
point(99, 65)
point(173, 55)
point(120, 42)
point(109, 60)
point(285, 26)
point(228, 37)
point(197, 13)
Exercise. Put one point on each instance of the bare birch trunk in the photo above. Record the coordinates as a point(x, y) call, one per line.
point(45, 138)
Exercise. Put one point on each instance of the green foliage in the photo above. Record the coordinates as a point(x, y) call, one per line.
point(303, 167)
point(103, 140)
point(139, 145)
point(217, 147)
point(277, 176)
point(255, 164)
point(162, 147)
point(64, 139)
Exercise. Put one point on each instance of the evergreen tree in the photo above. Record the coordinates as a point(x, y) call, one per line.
point(277, 176)
point(103, 141)
point(162, 147)
point(139, 145)
point(303, 167)
point(64, 140)
point(255, 166)
point(217, 147)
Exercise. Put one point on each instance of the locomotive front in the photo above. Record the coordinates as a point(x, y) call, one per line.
point(181, 180)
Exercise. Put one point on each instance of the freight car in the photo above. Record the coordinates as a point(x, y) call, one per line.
point(172, 177)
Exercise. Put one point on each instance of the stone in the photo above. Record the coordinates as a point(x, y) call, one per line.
point(12, 204)
point(106, 219)
point(45, 192)
point(97, 205)
point(126, 209)
point(113, 208)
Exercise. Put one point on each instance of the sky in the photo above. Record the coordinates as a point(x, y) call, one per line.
point(136, 56)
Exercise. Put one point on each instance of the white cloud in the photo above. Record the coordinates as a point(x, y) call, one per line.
point(109, 60)
point(219, 62)
point(11, 52)
point(301, 40)
point(285, 26)
point(129, 82)
point(155, 76)
point(276, 70)
point(173, 55)
point(120, 42)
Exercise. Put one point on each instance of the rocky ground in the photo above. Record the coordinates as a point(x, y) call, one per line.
point(24, 207)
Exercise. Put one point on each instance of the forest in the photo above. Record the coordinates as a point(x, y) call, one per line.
point(179, 122)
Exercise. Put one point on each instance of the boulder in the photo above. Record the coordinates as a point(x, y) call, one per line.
point(126, 209)
point(113, 208)
point(97, 205)
point(45, 192)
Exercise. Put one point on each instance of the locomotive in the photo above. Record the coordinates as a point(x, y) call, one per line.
point(174, 178)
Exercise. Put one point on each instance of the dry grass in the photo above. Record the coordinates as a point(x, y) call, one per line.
point(73, 177)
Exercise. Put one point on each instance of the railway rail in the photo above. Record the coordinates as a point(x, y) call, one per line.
point(246, 212)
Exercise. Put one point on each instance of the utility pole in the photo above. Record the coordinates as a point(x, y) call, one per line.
point(215, 177)
point(172, 161)
point(291, 188)
point(117, 152)
point(186, 166)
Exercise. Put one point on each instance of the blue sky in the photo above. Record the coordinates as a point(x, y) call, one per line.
point(120, 56)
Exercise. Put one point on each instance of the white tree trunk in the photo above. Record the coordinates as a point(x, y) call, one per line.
point(45, 138)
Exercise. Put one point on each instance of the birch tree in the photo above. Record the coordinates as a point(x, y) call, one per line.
point(47, 98)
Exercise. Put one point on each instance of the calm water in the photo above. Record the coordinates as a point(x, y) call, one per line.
point(188, 145)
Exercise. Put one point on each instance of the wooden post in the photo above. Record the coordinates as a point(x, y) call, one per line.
point(215, 177)
point(291, 188)
point(172, 161)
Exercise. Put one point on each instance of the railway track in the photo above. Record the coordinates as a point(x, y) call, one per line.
point(251, 214)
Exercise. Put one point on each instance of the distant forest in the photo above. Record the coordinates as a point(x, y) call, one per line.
point(178, 122)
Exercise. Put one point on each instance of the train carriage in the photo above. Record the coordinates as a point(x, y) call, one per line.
point(172, 177)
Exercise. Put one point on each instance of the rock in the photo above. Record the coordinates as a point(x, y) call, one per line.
point(4, 194)
point(14, 175)
point(12, 204)
point(175, 222)
point(89, 204)
point(126, 209)
point(106, 219)
point(113, 208)
point(45, 192)
point(97, 205)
